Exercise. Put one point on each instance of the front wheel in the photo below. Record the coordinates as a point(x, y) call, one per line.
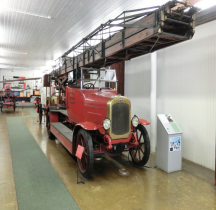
point(86, 162)
point(140, 154)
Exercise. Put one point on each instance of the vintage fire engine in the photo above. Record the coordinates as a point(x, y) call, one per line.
point(8, 100)
point(89, 112)
point(98, 119)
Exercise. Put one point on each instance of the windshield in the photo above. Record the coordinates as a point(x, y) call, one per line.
point(98, 79)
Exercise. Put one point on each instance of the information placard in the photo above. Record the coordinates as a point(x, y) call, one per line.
point(79, 151)
point(175, 144)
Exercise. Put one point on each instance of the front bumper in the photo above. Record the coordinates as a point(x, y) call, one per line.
point(131, 141)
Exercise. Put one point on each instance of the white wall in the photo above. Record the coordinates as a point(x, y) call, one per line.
point(186, 88)
point(138, 86)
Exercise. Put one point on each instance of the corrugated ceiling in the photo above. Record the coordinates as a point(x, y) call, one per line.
point(28, 41)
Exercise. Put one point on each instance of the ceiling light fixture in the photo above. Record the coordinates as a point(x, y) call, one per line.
point(27, 13)
point(2, 51)
point(205, 4)
point(13, 66)
point(17, 52)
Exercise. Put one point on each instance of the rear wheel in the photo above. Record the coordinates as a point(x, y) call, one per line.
point(40, 112)
point(86, 162)
point(140, 154)
point(50, 135)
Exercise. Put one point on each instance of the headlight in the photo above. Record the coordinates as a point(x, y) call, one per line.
point(106, 123)
point(135, 121)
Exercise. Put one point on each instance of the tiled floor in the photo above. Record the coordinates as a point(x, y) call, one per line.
point(191, 188)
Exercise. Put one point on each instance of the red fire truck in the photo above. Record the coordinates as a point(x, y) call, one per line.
point(8, 100)
point(97, 119)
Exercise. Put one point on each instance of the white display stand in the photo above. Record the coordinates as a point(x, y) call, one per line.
point(169, 144)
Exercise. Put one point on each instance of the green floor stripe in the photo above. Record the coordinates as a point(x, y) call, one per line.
point(33, 112)
point(38, 186)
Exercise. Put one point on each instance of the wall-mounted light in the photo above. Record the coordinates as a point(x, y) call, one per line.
point(27, 13)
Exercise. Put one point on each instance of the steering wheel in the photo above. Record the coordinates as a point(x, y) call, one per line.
point(88, 85)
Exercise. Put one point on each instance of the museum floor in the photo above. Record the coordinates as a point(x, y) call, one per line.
point(142, 188)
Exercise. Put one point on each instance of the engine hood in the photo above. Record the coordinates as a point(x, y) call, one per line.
point(98, 99)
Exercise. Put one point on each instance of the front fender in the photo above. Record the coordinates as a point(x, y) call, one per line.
point(144, 122)
point(87, 126)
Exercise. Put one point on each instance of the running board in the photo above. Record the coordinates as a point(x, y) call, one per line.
point(63, 134)
point(62, 111)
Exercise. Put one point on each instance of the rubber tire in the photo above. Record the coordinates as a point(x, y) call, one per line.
point(145, 158)
point(90, 155)
point(40, 111)
point(50, 134)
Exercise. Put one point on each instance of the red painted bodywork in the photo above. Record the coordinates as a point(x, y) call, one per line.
point(87, 106)
point(8, 104)
point(54, 117)
point(132, 140)
point(7, 97)
point(88, 126)
point(143, 122)
point(67, 144)
point(87, 109)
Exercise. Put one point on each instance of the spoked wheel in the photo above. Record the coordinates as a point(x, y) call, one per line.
point(50, 135)
point(140, 154)
point(86, 162)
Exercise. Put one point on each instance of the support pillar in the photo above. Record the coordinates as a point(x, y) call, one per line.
point(153, 115)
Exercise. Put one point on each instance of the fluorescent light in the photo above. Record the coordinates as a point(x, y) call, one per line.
point(16, 67)
point(13, 66)
point(20, 67)
point(205, 4)
point(27, 13)
point(17, 53)
point(5, 51)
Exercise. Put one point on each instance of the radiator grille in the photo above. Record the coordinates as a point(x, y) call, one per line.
point(120, 118)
